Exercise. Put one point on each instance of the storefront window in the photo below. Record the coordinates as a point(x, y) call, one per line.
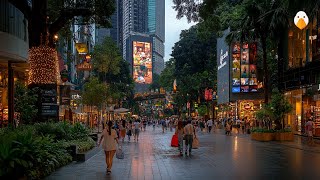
point(294, 119)
point(296, 47)
point(304, 45)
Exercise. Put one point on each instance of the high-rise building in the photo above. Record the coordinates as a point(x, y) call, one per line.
point(134, 19)
point(156, 29)
point(115, 32)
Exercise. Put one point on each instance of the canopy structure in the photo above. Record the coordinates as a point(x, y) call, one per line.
point(121, 110)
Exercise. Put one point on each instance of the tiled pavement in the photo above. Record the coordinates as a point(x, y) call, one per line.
point(219, 157)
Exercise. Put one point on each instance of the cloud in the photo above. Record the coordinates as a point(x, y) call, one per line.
point(173, 28)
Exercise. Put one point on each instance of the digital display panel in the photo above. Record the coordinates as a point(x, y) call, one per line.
point(236, 67)
point(142, 62)
point(244, 68)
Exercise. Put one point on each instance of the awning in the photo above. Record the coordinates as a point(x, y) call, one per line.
point(121, 110)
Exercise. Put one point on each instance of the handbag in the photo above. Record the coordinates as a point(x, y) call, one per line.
point(119, 153)
point(174, 141)
point(195, 143)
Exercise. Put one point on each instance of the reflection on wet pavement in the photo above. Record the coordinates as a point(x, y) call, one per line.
point(219, 157)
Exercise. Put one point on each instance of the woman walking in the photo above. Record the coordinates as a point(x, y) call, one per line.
point(110, 141)
point(129, 130)
point(137, 126)
point(123, 130)
point(179, 133)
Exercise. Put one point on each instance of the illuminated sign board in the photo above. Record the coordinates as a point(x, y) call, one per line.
point(244, 68)
point(142, 62)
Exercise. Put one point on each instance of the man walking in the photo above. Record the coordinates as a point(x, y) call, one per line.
point(209, 124)
point(188, 134)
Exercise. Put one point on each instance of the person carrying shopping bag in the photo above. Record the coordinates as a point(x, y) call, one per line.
point(109, 144)
point(179, 133)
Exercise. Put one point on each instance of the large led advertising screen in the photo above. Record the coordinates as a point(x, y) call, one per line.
point(142, 62)
point(244, 68)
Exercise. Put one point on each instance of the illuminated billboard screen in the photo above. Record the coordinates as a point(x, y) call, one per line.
point(142, 62)
point(244, 68)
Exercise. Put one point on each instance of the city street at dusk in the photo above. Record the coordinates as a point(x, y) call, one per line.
point(202, 89)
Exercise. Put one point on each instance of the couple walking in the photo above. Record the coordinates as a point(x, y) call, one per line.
point(186, 133)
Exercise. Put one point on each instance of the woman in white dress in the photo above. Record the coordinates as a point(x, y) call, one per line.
point(109, 144)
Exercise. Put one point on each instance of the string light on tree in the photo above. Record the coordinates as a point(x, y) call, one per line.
point(43, 65)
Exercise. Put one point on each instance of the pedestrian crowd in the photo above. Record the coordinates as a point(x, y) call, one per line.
point(185, 132)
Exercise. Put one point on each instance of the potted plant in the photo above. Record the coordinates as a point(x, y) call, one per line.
point(279, 107)
point(262, 134)
point(274, 111)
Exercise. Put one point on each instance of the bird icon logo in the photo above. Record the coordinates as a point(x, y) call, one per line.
point(301, 20)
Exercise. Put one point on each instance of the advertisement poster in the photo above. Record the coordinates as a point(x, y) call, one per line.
point(253, 67)
point(142, 62)
point(236, 67)
point(244, 68)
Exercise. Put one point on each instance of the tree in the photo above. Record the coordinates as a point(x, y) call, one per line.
point(25, 103)
point(167, 77)
point(193, 9)
point(155, 82)
point(94, 93)
point(113, 70)
point(194, 65)
point(279, 107)
point(53, 15)
point(106, 59)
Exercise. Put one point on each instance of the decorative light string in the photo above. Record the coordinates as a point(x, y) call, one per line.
point(43, 65)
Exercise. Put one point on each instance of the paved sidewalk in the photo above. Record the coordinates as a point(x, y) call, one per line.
point(219, 157)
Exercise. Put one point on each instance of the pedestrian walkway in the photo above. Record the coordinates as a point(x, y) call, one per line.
point(300, 142)
point(219, 157)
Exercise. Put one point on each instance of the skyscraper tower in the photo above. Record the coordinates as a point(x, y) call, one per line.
point(140, 21)
point(156, 29)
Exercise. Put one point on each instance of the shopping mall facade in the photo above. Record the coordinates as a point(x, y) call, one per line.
point(240, 92)
point(301, 75)
point(299, 78)
point(14, 48)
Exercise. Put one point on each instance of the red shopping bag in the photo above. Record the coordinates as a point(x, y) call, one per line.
point(174, 141)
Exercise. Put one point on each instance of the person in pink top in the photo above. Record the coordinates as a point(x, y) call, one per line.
point(309, 130)
point(109, 144)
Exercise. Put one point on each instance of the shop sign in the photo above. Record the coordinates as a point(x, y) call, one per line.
point(223, 57)
point(301, 20)
point(82, 48)
point(65, 95)
point(49, 105)
point(84, 66)
point(208, 94)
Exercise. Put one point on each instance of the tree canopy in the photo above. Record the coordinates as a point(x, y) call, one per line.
point(48, 17)
point(106, 58)
point(194, 65)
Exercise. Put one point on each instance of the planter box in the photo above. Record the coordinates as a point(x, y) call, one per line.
point(262, 136)
point(283, 136)
point(81, 157)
